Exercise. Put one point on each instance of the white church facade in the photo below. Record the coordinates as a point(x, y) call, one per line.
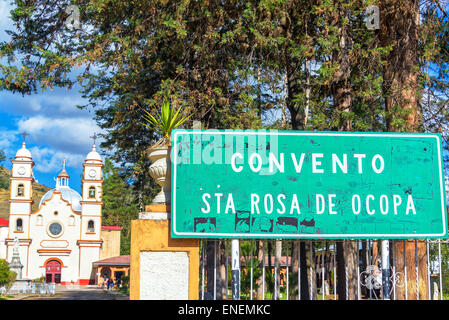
point(62, 238)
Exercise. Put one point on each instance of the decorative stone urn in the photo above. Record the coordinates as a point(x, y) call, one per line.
point(160, 171)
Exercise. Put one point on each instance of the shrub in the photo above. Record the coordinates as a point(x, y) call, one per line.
point(4, 272)
point(7, 277)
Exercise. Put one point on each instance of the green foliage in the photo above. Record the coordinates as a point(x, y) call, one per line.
point(125, 285)
point(121, 205)
point(4, 181)
point(41, 279)
point(434, 264)
point(11, 278)
point(245, 281)
point(4, 272)
point(165, 121)
point(7, 277)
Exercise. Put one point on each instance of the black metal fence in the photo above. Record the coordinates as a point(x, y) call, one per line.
point(326, 269)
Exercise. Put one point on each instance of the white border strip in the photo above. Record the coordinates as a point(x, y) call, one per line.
point(308, 235)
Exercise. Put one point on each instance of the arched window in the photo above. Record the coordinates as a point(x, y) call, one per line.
point(92, 192)
point(19, 225)
point(20, 190)
point(71, 221)
point(39, 220)
point(91, 226)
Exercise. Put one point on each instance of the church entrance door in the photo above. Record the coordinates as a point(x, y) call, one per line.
point(53, 271)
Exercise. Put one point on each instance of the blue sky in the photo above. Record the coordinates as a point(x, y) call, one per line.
point(58, 130)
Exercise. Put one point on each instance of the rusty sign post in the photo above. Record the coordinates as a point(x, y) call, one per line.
point(307, 185)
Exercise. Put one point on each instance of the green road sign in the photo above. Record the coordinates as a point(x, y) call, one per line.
point(297, 184)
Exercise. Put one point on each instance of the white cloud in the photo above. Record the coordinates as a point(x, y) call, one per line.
point(69, 135)
point(48, 160)
point(8, 140)
point(55, 103)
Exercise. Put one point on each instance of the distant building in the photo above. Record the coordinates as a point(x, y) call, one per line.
point(63, 238)
point(111, 268)
point(111, 264)
point(111, 241)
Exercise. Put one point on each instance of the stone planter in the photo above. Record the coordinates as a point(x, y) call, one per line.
point(160, 171)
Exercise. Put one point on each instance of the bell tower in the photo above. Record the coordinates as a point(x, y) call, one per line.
point(21, 193)
point(91, 205)
point(20, 203)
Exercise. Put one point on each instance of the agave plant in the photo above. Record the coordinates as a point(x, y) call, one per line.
point(165, 121)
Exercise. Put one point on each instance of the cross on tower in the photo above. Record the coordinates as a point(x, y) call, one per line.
point(24, 135)
point(94, 137)
point(64, 162)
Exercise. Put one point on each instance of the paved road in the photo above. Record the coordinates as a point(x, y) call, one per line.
point(82, 293)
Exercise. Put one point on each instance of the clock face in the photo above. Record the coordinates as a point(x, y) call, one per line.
point(21, 171)
point(92, 173)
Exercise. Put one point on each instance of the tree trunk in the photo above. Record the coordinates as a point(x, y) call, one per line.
point(294, 284)
point(364, 259)
point(221, 281)
point(277, 269)
point(347, 261)
point(270, 265)
point(351, 248)
point(308, 270)
point(260, 258)
point(399, 29)
point(304, 288)
point(210, 269)
point(375, 252)
point(341, 271)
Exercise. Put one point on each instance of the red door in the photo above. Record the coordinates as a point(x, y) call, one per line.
point(53, 271)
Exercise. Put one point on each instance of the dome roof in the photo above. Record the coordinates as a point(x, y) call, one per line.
point(93, 156)
point(23, 154)
point(63, 174)
point(68, 194)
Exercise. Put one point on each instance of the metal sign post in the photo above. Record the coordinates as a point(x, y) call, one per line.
point(235, 270)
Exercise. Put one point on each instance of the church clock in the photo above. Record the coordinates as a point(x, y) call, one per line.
point(21, 171)
point(92, 173)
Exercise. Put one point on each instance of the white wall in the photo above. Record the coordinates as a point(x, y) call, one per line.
point(3, 236)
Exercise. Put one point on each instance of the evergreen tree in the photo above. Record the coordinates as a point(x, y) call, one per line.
point(120, 205)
